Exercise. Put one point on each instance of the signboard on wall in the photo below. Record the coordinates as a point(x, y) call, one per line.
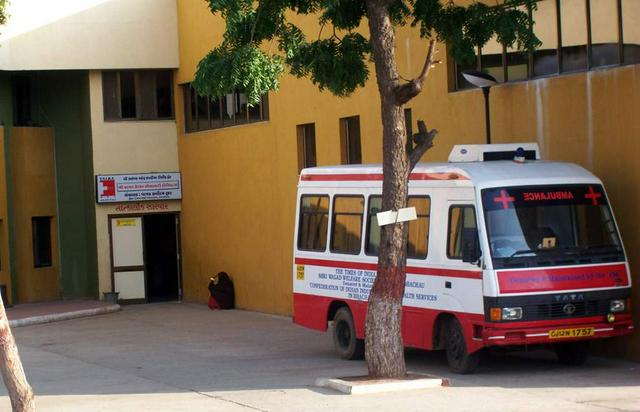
point(138, 187)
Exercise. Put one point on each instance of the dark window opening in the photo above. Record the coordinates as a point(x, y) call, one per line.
point(22, 101)
point(576, 35)
point(306, 145)
point(138, 95)
point(41, 231)
point(350, 149)
point(202, 113)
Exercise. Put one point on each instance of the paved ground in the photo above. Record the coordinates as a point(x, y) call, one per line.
point(177, 357)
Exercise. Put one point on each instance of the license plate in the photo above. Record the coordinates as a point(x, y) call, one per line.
point(570, 333)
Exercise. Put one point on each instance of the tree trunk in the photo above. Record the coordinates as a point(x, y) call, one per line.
point(20, 392)
point(384, 349)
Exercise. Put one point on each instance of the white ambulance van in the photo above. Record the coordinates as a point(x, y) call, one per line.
point(503, 252)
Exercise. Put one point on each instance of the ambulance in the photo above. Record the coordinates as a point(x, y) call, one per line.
point(504, 250)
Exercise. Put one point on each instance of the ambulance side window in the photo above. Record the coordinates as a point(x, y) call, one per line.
point(373, 230)
point(346, 229)
point(460, 218)
point(314, 222)
point(418, 239)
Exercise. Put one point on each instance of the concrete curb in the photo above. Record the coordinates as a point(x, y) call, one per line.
point(361, 385)
point(55, 317)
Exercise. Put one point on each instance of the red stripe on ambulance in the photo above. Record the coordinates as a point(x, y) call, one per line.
point(359, 177)
point(540, 280)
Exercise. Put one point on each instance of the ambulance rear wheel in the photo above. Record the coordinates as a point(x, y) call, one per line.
point(572, 353)
point(345, 341)
point(458, 358)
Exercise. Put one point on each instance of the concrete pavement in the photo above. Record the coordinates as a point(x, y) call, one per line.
point(177, 357)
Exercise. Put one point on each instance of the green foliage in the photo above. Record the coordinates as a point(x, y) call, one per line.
point(244, 68)
point(3, 14)
point(338, 59)
point(339, 66)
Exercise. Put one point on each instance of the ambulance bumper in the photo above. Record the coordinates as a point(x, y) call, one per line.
point(529, 333)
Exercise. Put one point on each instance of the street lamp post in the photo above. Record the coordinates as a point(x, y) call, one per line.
point(483, 81)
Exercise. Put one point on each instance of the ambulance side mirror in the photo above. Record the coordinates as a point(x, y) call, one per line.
point(470, 245)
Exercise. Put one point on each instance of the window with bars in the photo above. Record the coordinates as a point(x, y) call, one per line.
point(41, 237)
point(202, 113)
point(137, 95)
point(350, 149)
point(576, 35)
point(306, 145)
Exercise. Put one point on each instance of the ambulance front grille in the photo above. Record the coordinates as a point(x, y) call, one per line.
point(566, 310)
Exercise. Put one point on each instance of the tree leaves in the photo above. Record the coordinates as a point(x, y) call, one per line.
point(245, 68)
point(3, 15)
point(339, 63)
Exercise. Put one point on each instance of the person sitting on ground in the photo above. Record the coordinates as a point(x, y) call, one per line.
point(222, 292)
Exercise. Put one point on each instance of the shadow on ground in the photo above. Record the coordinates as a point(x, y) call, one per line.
point(173, 348)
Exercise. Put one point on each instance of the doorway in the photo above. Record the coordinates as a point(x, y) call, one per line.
point(161, 256)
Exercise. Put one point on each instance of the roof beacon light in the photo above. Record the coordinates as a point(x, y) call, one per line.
point(519, 157)
point(489, 152)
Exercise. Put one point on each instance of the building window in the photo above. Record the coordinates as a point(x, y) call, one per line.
point(347, 224)
point(460, 218)
point(137, 95)
point(350, 140)
point(576, 35)
point(306, 145)
point(202, 113)
point(605, 50)
point(314, 222)
point(418, 238)
point(41, 231)
point(21, 100)
point(630, 31)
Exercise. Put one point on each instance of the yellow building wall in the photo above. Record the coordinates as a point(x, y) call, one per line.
point(240, 182)
point(34, 194)
point(5, 261)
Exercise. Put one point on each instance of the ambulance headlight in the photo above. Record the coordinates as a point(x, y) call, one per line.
point(512, 313)
point(617, 306)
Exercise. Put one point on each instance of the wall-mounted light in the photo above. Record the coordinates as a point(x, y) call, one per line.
point(483, 81)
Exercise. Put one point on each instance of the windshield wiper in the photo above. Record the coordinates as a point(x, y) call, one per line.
point(566, 250)
point(521, 252)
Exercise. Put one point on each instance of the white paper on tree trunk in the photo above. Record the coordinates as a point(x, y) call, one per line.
point(402, 215)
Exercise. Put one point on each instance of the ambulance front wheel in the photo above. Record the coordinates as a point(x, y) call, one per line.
point(345, 341)
point(458, 358)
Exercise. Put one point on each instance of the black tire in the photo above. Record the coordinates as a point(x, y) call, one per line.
point(572, 353)
point(458, 358)
point(347, 345)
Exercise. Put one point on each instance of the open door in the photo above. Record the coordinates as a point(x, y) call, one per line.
point(161, 251)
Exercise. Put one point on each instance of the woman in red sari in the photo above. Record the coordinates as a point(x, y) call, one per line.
point(222, 292)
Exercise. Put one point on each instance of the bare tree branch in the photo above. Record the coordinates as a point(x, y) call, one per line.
point(255, 22)
point(411, 89)
point(424, 141)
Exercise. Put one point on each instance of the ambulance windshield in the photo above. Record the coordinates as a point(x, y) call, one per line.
point(550, 226)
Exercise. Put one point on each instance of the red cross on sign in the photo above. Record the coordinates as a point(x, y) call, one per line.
point(108, 187)
point(504, 199)
point(593, 195)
